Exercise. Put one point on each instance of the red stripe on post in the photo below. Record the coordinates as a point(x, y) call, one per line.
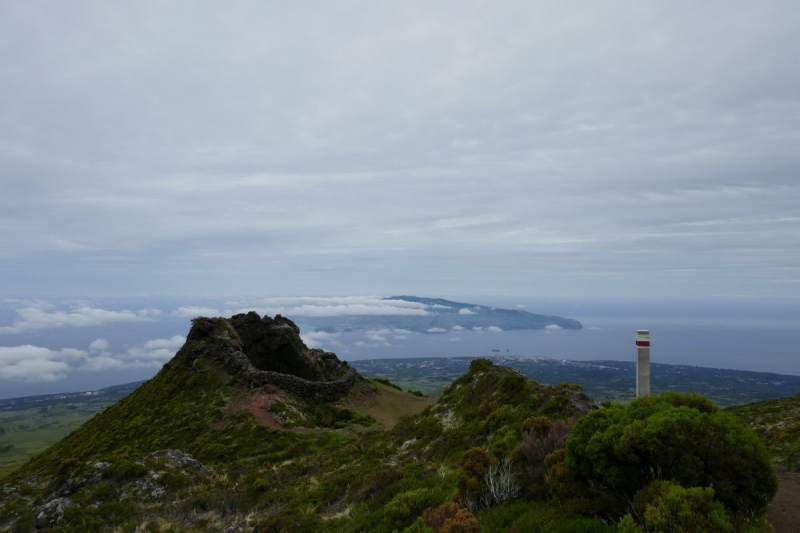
point(645, 344)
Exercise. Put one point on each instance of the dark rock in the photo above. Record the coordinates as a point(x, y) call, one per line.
point(274, 345)
point(176, 459)
point(51, 513)
point(33, 482)
point(268, 351)
point(580, 402)
point(70, 487)
point(148, 486)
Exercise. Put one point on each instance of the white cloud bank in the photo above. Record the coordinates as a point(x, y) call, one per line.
point(320, 339)
point(194, 311)
point(553, 327)
point(35, 364)
point(32, 364)
point(39, 317)
point(335, 306)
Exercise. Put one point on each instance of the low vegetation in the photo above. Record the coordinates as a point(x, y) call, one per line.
point(777, 423)
point(496, 452)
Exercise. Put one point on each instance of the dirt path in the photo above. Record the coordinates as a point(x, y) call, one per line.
point(784, 511)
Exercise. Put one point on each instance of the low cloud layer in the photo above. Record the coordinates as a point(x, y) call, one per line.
point(42, 316)
point(335, 306)
point(34, 364)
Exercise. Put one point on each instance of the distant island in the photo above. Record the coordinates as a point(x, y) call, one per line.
point(442, 316)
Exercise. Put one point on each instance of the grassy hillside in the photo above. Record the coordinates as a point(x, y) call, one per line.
point(378, 460)
point(777, 423)
point(353, 473)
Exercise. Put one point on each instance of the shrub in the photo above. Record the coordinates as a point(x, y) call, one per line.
point(463, 522)
point(69, 466)
point(449, 518)
point(504, 441)
point(666, 507)
point(542, 439)
point(498, 418)
point(417, 527)
point(576, 493)
point(540, 424)
point(435, 518)
point(125, 470)
point(475, 463)
point(678, 437)
point(384, 381)
point(501, 483)
point(407, 505)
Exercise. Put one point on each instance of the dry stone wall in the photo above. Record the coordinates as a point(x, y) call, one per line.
point(219, 340)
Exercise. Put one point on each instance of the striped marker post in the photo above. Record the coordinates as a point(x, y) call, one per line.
point(642, 363)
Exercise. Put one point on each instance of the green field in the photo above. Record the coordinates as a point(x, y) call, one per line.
point(29, 431)
point(29, 425)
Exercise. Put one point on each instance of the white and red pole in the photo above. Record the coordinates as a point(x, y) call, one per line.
point(642, 363)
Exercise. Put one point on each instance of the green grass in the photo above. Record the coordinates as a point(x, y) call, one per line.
point(387, 404)
point(28, 432)
point(777, 423)
point(344, 476)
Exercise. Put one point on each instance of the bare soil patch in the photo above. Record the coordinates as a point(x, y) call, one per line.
point(784, 511)
point(259, 403)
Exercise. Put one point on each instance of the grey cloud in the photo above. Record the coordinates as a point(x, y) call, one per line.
point(349, 149)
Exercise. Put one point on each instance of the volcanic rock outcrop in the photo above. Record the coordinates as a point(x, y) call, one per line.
point(268, 351)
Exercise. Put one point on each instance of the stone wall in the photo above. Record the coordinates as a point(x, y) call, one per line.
point(308, 390)
point(222, 345)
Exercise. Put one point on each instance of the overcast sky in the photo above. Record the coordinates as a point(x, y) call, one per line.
point(433, 148)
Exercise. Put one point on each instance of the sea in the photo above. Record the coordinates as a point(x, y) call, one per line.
point(761, 335)
point(756, 334)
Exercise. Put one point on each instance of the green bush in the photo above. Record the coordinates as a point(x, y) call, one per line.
point(678, 437)
point(666, 507)
point(406, 506)
point(384, 381)
point(125, 470)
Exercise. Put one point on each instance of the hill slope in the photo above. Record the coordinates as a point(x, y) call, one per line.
point(273, 455)
point(777, 423)
point(230, 437)
point(197, 400)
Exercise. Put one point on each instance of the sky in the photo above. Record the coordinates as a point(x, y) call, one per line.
point(509, 152)
point(306, 148)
